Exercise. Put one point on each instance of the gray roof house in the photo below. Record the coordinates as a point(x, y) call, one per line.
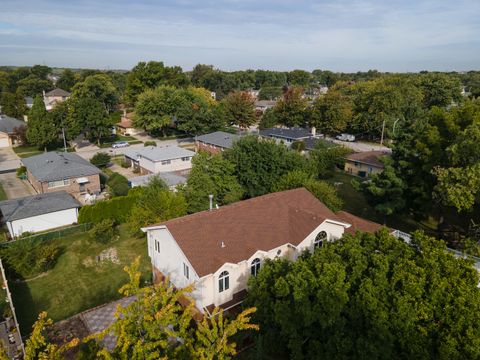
point(57, 171)
point(218, 140)
point(8, 135)
point(153, 159)
point(39, 212)
point(288, 135)
point(170, 178)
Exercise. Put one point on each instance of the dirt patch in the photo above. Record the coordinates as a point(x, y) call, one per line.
point(107, 255)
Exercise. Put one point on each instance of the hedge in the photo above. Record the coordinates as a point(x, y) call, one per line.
point(116, 209)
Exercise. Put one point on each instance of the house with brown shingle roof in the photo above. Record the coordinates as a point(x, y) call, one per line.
point(364, 164)
point(218, 250)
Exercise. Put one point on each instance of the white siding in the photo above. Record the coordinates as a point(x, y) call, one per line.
point(171, 258)
point(156, 167)
point(43, 222)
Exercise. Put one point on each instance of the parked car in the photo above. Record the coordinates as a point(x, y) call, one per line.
point(346, 137)
point(120, 144)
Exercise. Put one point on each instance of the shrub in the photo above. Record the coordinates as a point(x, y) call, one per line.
point(103, 231)
point(124, 164)
point(27, 258)
point(22, 170)
point(150, 143)
point(119, 189)
point(298, 145)
point(100, 159)
point(117, 209)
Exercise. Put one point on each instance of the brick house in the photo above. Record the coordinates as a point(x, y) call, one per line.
point(215, 142)
point(56, 171)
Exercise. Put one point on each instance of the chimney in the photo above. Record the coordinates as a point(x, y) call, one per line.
point(314, 131)
point(210, 198)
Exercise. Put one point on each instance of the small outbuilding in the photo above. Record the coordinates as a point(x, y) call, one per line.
point(39, 212)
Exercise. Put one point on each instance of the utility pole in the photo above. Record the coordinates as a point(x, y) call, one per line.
point(383, 130)
point(64, 140)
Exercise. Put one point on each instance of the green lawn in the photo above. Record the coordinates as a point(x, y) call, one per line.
point(3, 195)
point(27, 151)
point(78, 282)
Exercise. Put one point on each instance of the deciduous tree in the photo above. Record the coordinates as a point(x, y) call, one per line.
point(41, 130)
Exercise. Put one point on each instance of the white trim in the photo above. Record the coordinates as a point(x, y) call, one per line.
point(344, 224)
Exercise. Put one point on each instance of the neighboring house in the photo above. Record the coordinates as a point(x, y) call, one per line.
point(29, 101)
point(364, 164)
point(39, 212)
point(254, 93)
point(219, 250)
point(54, 97)
point(56, 171)
point(8, 131)
point(171, 179)
point(153, 159)
point(125, 126)
point(263, 105)
point(288, 135)
point(215, 142)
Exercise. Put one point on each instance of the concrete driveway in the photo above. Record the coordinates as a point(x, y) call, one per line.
point(9, 161)
point(14, 187)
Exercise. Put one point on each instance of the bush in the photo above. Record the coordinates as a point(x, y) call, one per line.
point(117, 209)
point(119, 189)
point(100, 160)
point(22, 170)
point(298, 145)
point(150, 143)
point(27, 258)
point(124, 164)
point(103, 231)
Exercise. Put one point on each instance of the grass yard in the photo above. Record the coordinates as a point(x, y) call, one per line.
point(3, 195)
point(78, 282)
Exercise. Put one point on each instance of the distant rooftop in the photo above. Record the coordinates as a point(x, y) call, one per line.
point(170, 178)
point(34, 205)
point(154, 153)
point(219, 138)
point(58, 92)
point(53, 165)
point(295, 133)
point(368, 157)
point(8, 124)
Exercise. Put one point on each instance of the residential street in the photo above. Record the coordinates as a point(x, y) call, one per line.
point(89, 151)
point(360, 146)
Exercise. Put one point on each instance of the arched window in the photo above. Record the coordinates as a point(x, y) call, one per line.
point(255, 267)
point(223, 281)
point(320, 239)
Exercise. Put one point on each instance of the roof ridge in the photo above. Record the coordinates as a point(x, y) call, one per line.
point(230, 206)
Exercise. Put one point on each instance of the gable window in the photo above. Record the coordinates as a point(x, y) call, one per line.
point(223, 281)
point(157, 246)
point(320, 239)
point(166, 162)
point(255, 267)
point(186, 271)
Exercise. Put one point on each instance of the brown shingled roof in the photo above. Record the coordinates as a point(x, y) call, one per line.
point(358, 224)
point(368, 157)
point(261, 223)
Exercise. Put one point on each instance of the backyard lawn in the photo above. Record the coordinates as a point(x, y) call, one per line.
point(78, 281)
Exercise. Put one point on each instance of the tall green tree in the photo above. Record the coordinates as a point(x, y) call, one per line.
point(326, 157)
point(239, 109)
point(13, 104)
point(98, 87)
point(211, 175)
point(259, 164)
point(369, 297)
point(331, 113)
point(440, 89)
point(41, 130)
point(67, 80)
point(291, 109)
point(88, 115)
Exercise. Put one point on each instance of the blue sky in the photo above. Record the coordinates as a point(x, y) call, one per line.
point(343, 35)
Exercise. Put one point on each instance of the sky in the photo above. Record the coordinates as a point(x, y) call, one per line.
point(337, 35)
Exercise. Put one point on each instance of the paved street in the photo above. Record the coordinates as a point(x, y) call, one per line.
point(360, 146)
point(14, 187)
point(9, 161)
point(88, 151)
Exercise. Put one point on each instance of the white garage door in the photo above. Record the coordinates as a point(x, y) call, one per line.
point(4, 142)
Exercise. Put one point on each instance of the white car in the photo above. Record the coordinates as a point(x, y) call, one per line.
point(120, 144)
point(345, 137)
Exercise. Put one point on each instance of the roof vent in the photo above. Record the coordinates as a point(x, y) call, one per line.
point(223, 244)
